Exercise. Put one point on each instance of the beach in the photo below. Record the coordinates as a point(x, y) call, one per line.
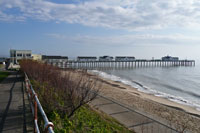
point(162, 109)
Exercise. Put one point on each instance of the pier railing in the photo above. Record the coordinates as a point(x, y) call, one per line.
point(35, 105)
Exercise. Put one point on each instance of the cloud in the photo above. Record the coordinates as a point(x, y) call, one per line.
point(115, 14)
point(10, 17)
point(129, 40)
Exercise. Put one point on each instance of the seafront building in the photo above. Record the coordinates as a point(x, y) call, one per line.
point(124, 58)
point(105, 58)
point(86, 58)
point(37, 57)
point(17, 55)
point(170, 58)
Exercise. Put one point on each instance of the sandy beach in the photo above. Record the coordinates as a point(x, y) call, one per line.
point(172, 113)
point(178, 116)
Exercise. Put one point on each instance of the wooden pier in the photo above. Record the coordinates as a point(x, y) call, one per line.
point(125, 64)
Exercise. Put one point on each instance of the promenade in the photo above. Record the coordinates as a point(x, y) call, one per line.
point(130, 117)
point(15, 114)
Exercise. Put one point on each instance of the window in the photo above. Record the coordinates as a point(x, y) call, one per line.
point(19, 55)
point(28, 55)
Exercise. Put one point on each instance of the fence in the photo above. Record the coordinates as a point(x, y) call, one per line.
point(35, 105)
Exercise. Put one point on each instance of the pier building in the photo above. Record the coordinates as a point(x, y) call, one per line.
point(59, 61)
point(106, 58)
point(170, 58)
point(124, 58)
point(86, 58)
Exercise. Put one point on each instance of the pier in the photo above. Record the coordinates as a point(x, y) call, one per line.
point(124, 64)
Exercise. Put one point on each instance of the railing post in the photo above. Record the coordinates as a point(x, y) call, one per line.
point(35, 113)
point(47, 125)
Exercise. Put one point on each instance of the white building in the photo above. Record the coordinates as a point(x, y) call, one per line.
point(105, 58)
point(17, 55)
point(124, 58)
point(170, 58)
point(86, 58)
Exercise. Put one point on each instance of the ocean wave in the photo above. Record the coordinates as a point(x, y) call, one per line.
point(180, 90)
point(147, 90)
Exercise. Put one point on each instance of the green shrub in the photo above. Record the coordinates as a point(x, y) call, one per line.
point(3, 75)
point(86, 120)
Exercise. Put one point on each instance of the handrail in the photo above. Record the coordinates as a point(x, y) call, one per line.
point(48, 126)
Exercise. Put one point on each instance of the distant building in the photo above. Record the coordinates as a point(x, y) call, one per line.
point(105, 58)
point(86, 58)
point(17, 55)
point(124, 58)
point(37, 57)
point(170, 58)
point(55, 60)
point(2, 60)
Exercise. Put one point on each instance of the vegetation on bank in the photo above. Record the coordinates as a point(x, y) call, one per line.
point(85, 120)
point(3, 75)
point(64, 96)
point(1, 65)
point(88, 120)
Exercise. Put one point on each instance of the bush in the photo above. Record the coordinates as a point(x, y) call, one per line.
point(60, 91)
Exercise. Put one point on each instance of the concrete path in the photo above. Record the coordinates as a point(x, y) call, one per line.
point(15, 115)
point(127, 116)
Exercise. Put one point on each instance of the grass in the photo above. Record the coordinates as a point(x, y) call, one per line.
point(87, 120)
point(3, 75)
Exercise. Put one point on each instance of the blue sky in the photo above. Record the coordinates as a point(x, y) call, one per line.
point(141, 28)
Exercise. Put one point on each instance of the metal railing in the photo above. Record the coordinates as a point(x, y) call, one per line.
point(35, 105)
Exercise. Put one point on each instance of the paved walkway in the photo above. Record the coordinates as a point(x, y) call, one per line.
point(15, 115)
point(129, 117)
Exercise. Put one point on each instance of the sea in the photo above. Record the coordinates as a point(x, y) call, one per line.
point(180, 84)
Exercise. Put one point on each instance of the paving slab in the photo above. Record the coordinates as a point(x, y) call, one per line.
point(111, 108)
point(152, 128)
point(13, 107)
point(129, 117)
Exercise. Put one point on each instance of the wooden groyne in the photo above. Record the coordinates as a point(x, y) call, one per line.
point(124, 64)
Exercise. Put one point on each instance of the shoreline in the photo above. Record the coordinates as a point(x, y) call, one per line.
point(162, 100)
point(157, 107)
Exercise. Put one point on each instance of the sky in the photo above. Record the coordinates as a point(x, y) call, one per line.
point(140, 28)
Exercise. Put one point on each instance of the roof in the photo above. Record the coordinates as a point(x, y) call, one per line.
point(87, 57)
point(169, 57)
point(105, 56)
point(54, 57)
point(124, 57)
point(20, 50)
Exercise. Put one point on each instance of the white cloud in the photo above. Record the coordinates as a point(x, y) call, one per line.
point(129, 40)
point(117, 14)
point(10, 17)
